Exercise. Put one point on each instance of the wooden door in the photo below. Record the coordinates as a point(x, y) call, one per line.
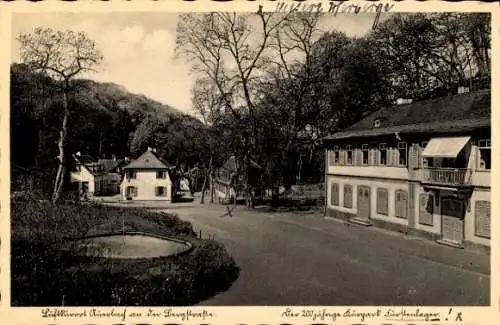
point(363, 203)
point(452, 216)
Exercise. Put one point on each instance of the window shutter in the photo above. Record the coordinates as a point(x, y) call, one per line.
point(421, 158)
point(404, 208)
point(401, 204)
point(358, 157)
point(377, 157)
point(334, 194)
point(382, 201)
point(371, 157)
point(414, 156)
point(483, 219)
point(347, 196)
point(390, 156)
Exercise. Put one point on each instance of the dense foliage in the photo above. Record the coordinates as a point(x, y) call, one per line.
point(284, 91)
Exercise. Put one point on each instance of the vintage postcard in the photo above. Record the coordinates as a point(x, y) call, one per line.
point(256, 162)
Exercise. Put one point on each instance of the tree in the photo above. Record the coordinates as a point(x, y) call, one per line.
point(428, 54)
point(223, 48)
point(63, 56)
point(293, 48)
point(207, 104)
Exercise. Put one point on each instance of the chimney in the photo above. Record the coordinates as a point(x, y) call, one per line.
point(113, 157)
point(78, 154)
point(463, 90)
point(150, 149)
point(401, 101)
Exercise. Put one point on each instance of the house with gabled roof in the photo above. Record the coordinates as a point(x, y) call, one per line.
point(417, 167)
point(89, 174)
point(228, 175)
point(147, 179)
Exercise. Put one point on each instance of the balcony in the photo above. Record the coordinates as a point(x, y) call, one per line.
point(447, 176)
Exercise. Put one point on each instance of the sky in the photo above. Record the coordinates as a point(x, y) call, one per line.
point(138, 48)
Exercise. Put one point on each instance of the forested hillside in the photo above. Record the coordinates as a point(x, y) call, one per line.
point(105, 120)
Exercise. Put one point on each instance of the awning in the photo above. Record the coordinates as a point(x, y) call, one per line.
point(445, 147)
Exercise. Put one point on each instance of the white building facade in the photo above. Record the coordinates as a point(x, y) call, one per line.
point(146, 179)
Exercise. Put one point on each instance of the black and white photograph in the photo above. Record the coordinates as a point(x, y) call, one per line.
point(258, 158)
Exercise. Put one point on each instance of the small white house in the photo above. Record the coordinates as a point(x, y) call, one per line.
point(89, 175)
point(146, 179)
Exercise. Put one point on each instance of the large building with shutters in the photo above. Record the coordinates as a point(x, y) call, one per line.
point(416, 167)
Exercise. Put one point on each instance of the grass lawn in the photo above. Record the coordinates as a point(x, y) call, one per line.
point(45, 275)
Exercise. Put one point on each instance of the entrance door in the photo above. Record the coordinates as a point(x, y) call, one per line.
point(85, 187)
point(363, 203)
point(131, 192)
point(84, 190)
point(452, 216)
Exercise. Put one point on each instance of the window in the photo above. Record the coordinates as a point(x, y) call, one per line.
point(376, 123)
point(484, 147)
point(161, 174)
point(482, 219)
point(426, 211)
point(364, 151)
point(161, 191)
point(383, 154)
point(349, 155)
point(401, 204)
point(347, 196)
point(334, 199)
point(382, 201)
point(403, 154)
point(131, 191)
point(131, 174)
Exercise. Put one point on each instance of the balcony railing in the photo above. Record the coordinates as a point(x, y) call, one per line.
point(447, 176)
